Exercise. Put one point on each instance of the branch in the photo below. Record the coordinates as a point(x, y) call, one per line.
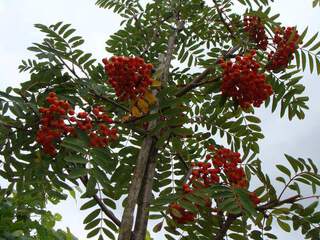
point(309, 197)
point(290, 181)
point(114, 103)
point(277, 203)
point(146, 192)
point(222, 19)
point(102, 206)
point(170, 52)
point(225, 227)
point(194, 83)
point(106, 211)
point(144, 154)
point(146, 189)
point(208, 81)
point(10, 126)
point(232, 217)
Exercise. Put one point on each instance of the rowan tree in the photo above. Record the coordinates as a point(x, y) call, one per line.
point(144, 126)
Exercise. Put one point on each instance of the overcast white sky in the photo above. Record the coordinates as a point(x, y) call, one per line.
point(297, 138)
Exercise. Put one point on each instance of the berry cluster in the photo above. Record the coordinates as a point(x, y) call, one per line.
point(53, 125)
point(254, 27)
point(180, 215)
point(60, 120)
point(228, 162)
point(286, 41)
point(254, 198)
point(243, 82)
point(102, 136)
point(205, 174)
point(129, 76)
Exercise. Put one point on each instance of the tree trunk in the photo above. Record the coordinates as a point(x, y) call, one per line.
point(142, 162)
point(135, 187)
point(146, 195)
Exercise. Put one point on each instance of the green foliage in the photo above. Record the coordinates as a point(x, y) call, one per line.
point(23, 218)
point(126, 8)
point(288, 90)
point(309, 54)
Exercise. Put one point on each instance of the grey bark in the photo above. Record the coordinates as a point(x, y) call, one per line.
point(145, 197)
point(127, 217)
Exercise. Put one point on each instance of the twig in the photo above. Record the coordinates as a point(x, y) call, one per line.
point(222, 19)
point(290, 181)
point(309, 197)
point(110, 101)
point(10, 126)
point(102, 206)
point(278, 203)
point(225, 227)
point(194, 83)
point(68, 67)
point(156, 31)
point(232, 217)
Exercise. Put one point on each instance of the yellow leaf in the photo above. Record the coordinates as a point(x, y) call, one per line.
point(176, 213)
point(150, 98)
point(134, 101)
point(156, 83)
point(143, 105)
point(135, 112)
point(158, 73)
point(38, 157)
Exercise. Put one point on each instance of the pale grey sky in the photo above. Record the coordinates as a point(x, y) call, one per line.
point(297, 138)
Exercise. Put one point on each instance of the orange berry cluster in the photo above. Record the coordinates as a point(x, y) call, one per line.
point(103, 135)
point(180, 215)
point(60, 120)
point(129, 76)
point(52, 122)
point(286, 41)
point(205, 174)
point(228, 161)
point(243, 82)
point(254, 27)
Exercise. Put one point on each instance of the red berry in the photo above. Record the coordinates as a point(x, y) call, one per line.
point(256, 30)
point(287, 40)
point(52, 94)
point(244, 83)
point(71, 112)
point(129, 76)
point(211, 147)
